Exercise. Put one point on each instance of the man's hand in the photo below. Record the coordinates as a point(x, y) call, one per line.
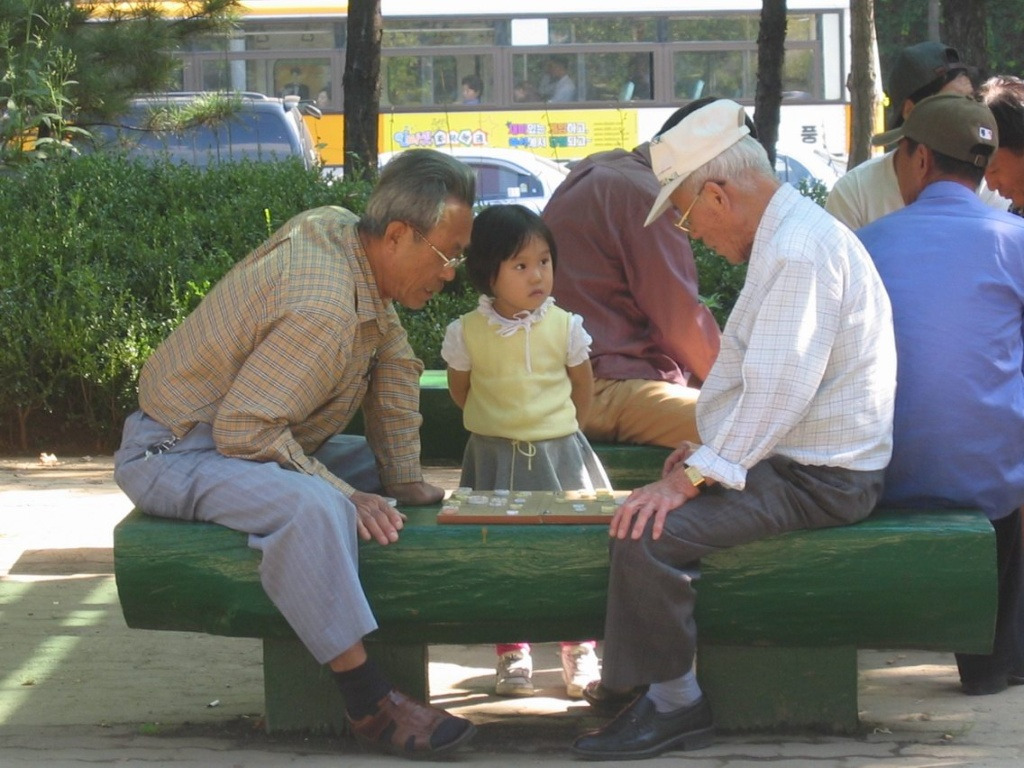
point(418, 492)
point(376, 519)
point(657, 500)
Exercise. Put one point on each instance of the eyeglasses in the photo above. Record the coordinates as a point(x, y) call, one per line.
point(683, 222)
point(453, 263)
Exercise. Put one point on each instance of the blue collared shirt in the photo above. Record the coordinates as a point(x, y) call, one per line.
point(954, 270)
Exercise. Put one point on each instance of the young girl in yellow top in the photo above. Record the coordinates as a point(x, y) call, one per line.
point(519, 368)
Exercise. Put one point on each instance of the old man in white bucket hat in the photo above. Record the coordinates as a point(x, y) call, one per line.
point(795, 420)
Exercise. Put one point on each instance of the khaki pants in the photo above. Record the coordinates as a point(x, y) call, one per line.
point(641, 411)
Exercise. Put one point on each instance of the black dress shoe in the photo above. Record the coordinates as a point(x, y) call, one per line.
point(641, 731)
point(985, 686)
point(607, 701)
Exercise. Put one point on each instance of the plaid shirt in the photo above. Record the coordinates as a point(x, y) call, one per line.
point(284, 350)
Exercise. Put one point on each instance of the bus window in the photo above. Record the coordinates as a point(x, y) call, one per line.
point(602, 29)
point(420, 80)
point(551, 77)
point(728, 74)
point(614, 77)
point(640, 78)
point(399, 33)
point(293, 36)
point(216, 76)
point(620, 76)
point(304, 78)
point(801, 27)
point(798, 75)
point(476, 76)
point(743, 28)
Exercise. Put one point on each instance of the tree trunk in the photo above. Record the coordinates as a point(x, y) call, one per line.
point(863, 80)
point(964, 28)
point(771, 53)
point(362, 86)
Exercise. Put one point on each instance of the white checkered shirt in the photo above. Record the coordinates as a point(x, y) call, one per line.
point(807, 367)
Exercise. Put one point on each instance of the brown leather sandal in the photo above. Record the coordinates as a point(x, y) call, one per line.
point(403, 727)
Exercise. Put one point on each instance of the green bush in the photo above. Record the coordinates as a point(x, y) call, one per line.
point(426, 326)
point(103, 258)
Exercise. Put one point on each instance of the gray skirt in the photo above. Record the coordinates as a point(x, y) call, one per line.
point(561, 464)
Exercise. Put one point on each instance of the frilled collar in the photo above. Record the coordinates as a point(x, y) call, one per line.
point(508, 326)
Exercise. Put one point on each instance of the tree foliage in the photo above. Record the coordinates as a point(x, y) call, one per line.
point(988, 33)
point(966, 24)
point(57, 63)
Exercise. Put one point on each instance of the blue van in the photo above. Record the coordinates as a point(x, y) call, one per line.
point(256, 127)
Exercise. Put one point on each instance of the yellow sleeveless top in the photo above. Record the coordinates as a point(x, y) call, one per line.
point(518, 386)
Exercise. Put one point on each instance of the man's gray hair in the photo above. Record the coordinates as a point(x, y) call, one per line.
point(746, 154)
point(415, 187)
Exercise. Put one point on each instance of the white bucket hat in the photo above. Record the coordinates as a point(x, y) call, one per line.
point(698, 138)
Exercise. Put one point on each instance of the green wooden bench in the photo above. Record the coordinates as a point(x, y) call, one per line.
point(780, 620)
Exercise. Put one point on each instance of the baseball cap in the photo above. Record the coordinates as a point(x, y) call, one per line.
point(954, 125)
point(918, 66)
point(698, 138)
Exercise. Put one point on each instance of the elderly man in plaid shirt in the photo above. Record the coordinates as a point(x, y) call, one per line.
point(239, 405)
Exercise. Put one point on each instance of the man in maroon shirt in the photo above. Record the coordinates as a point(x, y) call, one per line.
point(636, 289)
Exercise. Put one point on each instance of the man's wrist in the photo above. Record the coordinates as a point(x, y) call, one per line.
point(693, 475)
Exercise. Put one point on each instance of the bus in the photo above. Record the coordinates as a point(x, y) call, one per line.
point(561, 80)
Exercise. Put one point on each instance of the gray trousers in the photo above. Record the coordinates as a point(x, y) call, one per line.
point(650, 634)
point(303, 526)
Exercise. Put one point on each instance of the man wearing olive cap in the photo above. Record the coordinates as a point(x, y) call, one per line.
point(795, 418)
point(869, 191)
point(954, 270)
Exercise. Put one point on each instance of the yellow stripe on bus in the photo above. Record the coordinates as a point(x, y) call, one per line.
point(253, 9)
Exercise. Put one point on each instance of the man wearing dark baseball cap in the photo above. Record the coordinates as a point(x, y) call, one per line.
point(954, 271)
point(921, 71)
point(869, 191)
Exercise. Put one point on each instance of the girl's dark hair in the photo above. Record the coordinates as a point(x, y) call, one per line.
point(499, 233)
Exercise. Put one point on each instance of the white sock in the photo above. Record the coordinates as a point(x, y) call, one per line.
point(675, 694)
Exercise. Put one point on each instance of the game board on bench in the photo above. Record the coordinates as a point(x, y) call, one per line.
point(468, 506)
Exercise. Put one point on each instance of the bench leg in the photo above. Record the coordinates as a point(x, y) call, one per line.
point(761, 689)
point(300, 694)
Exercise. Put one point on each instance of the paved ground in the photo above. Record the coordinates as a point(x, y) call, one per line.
point(78, 688)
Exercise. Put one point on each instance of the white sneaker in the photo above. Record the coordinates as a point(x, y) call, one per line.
point(579, 667)
point(514, 674)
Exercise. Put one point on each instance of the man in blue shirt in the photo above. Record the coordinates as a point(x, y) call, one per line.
point(954, 270)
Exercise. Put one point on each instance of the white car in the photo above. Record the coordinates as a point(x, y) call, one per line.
point(507, 175)
point(795, 162)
